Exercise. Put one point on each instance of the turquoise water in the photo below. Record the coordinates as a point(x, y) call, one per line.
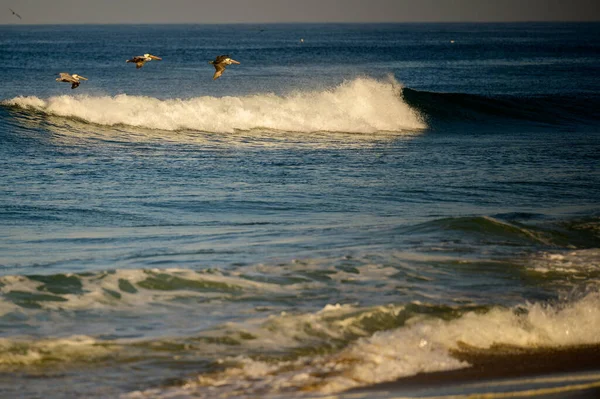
point(327, 215)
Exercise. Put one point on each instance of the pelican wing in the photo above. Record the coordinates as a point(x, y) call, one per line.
point(219, 69)
point(65, 77)
point(138, 61)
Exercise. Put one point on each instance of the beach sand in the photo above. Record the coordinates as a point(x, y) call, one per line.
point(505, 372)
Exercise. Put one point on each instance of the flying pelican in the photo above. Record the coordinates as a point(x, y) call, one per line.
point(14, 13)
point(220, 63)
point(73, 79)
point(140, 60)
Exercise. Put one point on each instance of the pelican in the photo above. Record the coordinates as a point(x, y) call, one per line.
point(73, 79)
point(220, 63)
point(140, 60)
point(15, 14)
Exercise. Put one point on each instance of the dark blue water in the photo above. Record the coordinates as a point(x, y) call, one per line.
point(348, 193)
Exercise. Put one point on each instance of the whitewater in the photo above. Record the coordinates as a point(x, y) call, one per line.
point(362, 105)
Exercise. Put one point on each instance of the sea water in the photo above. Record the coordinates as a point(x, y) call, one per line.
point(348, 205)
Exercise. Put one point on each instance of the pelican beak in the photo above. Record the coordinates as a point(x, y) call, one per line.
point(234, 61)
point(155, 57)
point(81, 77)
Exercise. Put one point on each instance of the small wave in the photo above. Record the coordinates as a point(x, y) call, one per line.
point(362, 105)
point(512, 229)
point(486, 227)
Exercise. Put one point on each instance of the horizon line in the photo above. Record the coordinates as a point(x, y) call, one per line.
point(304, 23)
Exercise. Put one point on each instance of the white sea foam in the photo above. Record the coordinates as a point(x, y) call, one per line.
point(422, 345)
point(568, 262)
point(24, 352)
point(362, 105)
point(103, 290)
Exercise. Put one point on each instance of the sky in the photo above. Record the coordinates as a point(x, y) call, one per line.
point(273, 11)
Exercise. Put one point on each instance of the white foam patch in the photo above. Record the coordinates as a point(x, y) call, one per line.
point(362, 105)
point(569, 262)
point(422, 345)
point(98, 290)
point(23, 352)
point(332, 323)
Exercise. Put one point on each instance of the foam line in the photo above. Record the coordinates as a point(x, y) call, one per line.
point(362, 105)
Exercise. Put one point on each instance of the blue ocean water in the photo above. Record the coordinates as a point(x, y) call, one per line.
point(349, 205)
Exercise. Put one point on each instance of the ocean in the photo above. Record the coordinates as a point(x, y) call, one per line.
point(352, 208)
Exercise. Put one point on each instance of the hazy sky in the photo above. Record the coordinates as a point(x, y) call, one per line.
point(265, 11)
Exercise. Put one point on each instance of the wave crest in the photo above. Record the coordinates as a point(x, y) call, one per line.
point(362, 105)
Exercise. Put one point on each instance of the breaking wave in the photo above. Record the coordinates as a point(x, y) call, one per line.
point(264, 351)
point(423, 344)
point(362, 105)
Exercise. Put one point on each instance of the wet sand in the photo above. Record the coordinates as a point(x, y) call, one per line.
point(549, 373)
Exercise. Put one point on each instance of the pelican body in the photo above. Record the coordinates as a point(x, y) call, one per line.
point(73, 79)
point(220, 63)
point(140, 60)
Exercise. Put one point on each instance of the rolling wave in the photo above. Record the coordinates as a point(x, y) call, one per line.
point(331, 350)
point(362, 105)
point(422, 345)
point(461, 107)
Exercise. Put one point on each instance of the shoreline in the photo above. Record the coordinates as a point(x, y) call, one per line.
point(556, 372)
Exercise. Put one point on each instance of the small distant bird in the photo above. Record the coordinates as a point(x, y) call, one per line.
point(14, 13)
point(140, 60)
point(73, 79)
point(220, 63)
